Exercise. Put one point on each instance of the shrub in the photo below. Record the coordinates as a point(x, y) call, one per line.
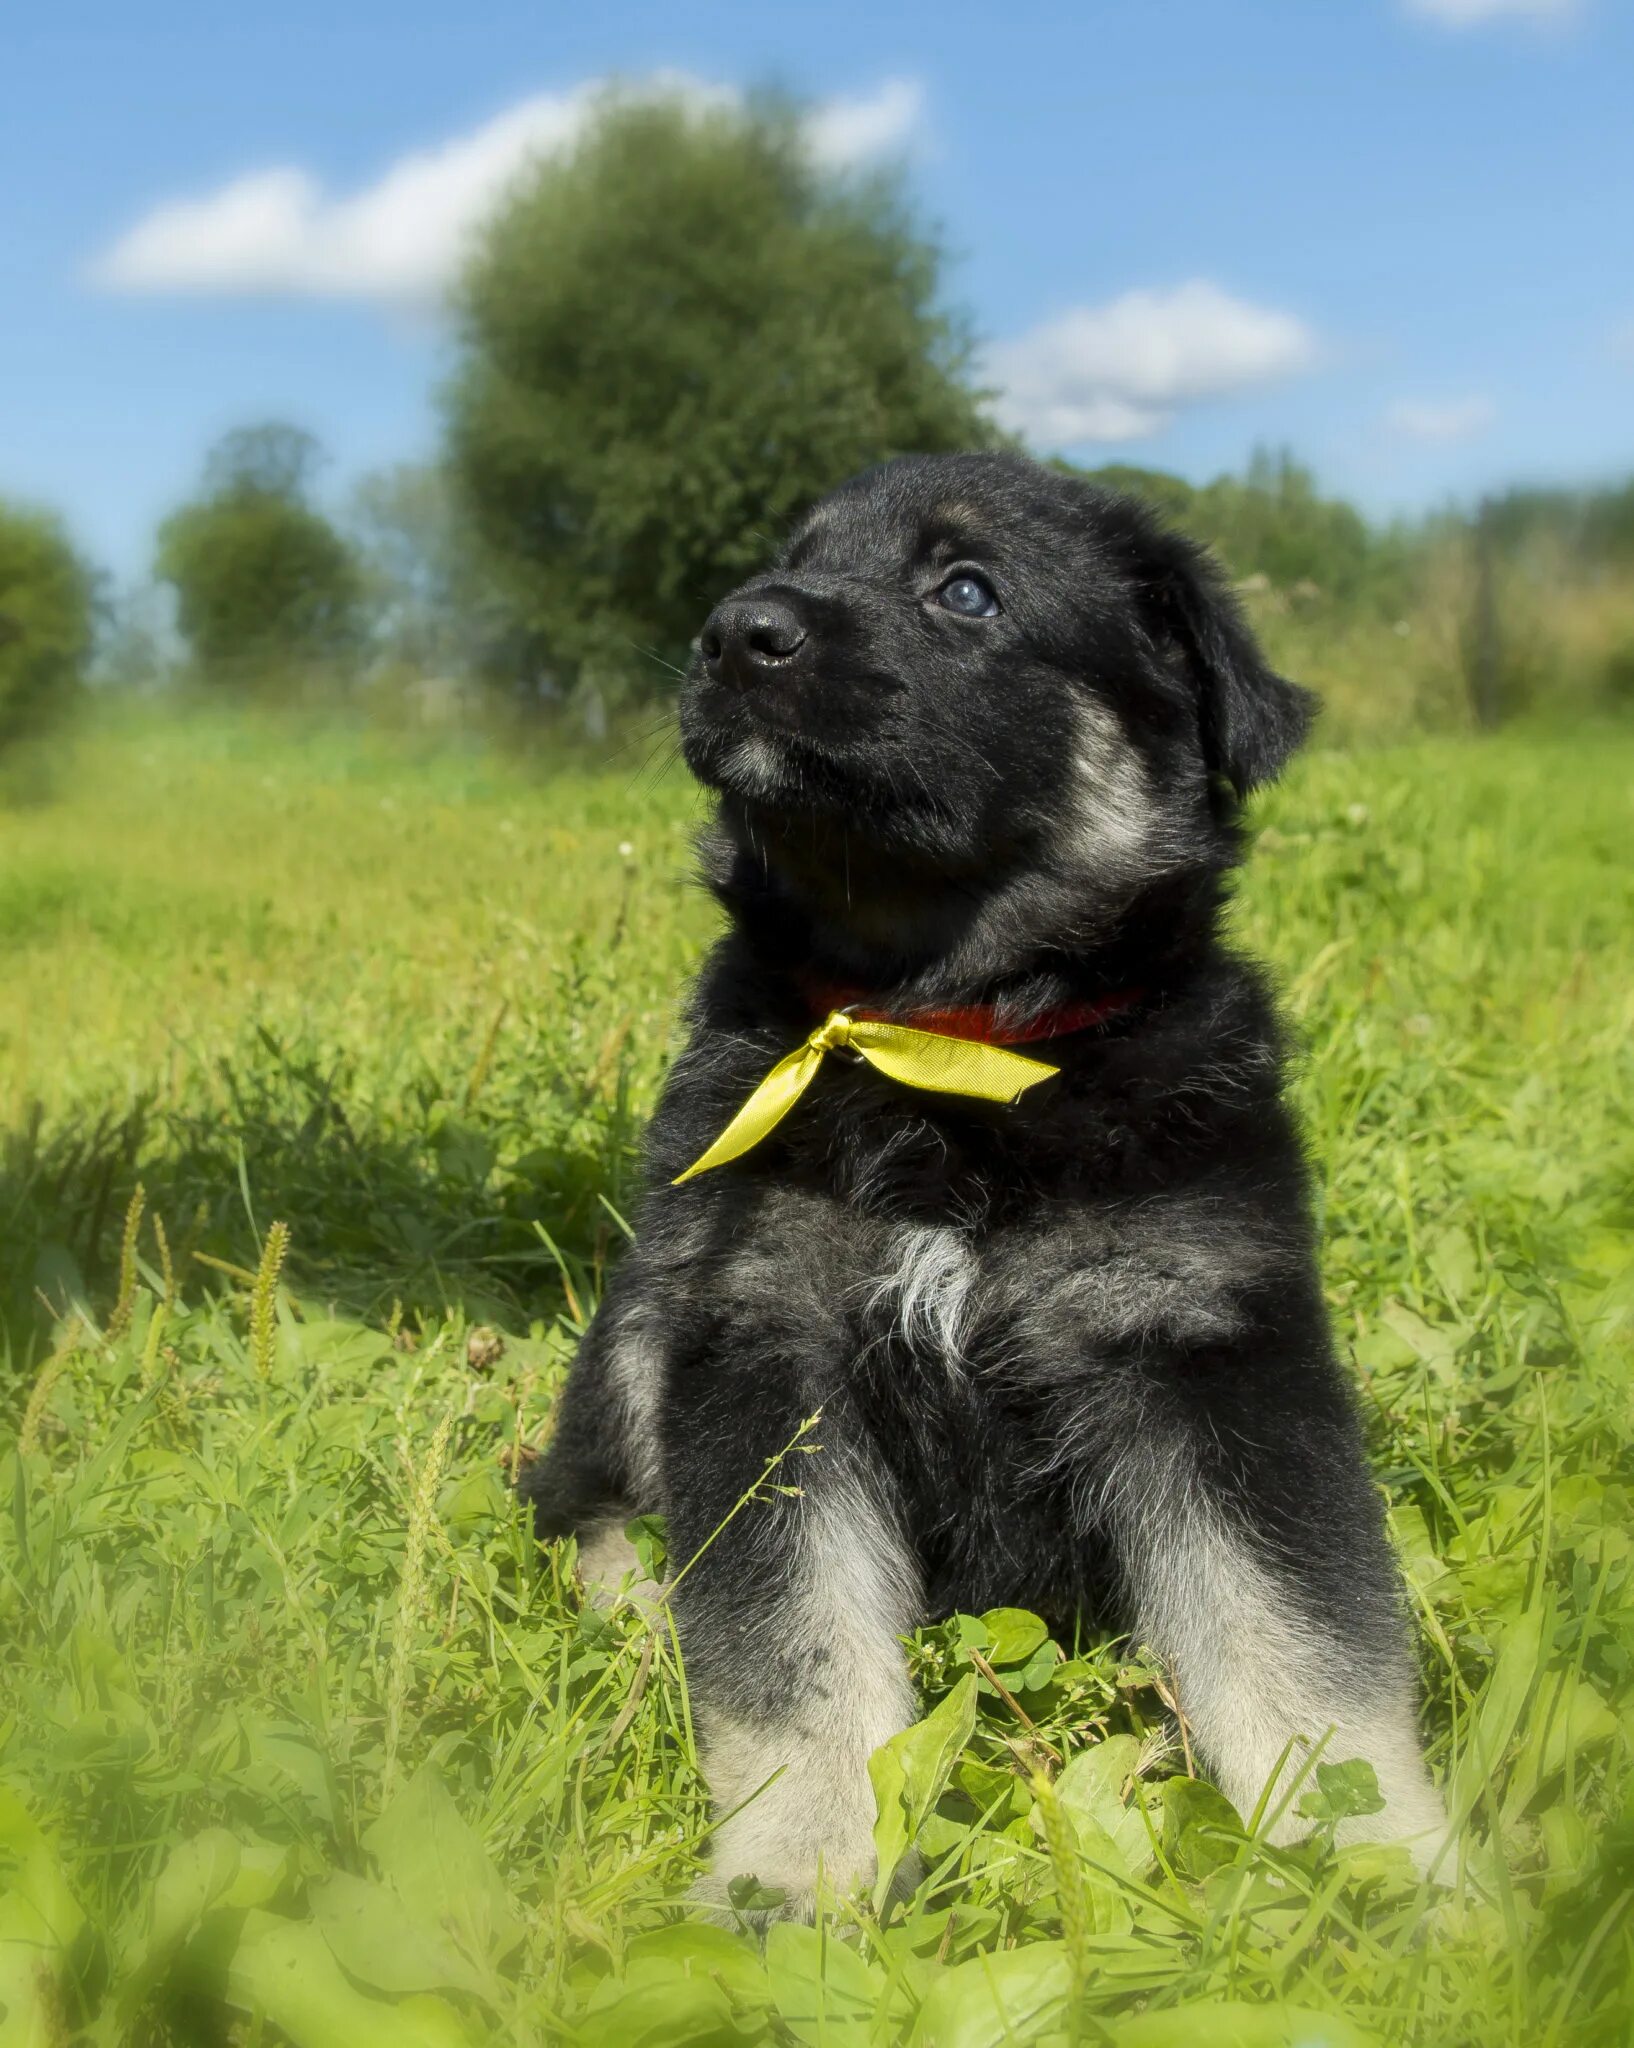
point(264, 583)
point(674, 339)
point(46, 620)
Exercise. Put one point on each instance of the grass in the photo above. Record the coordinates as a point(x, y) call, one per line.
point(301, 1739)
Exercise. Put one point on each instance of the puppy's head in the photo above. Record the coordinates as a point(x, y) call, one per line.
point(976, 672)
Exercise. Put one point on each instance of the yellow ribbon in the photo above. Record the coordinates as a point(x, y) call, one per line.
point(919, 1059)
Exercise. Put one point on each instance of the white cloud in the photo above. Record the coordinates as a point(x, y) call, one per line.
point(846, 132)
point(402, 238)
point(1120, 371)
point(1451, 419)
point(1477, 13)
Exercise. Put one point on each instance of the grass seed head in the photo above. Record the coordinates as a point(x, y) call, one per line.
point(28, 1434)
point(125, 1302)
point(264, 1301)
point(425, 1483)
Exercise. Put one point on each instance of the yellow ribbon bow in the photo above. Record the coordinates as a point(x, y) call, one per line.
point(920, 1059)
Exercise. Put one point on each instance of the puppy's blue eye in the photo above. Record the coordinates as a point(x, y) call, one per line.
point(969, 596)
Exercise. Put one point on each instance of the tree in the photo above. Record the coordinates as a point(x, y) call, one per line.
point(1274, 522)
point(47, 620)
point(264, 583)
point(426, 579)
point(273, 460)
point(673, 340)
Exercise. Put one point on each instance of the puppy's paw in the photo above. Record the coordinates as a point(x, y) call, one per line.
point(611, 1575)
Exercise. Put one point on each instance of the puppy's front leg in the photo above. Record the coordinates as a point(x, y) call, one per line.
point(601, 1466)
point(790, 1618)
point(1258, 1570)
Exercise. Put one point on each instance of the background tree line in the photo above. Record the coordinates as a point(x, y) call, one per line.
point(668, 343)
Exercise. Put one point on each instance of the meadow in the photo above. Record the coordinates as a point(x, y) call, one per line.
point(323, 1063)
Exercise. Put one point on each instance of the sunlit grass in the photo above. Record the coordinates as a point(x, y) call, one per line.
point(297, 1723)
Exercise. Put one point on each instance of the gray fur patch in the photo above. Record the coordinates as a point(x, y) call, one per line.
point(1260, 1686)
point(1174, 1269)
point(924, 1297)
point(794, 1789)
point(1115, 818)
point(635, 1372)
point(756, 765)
point(1120, 827)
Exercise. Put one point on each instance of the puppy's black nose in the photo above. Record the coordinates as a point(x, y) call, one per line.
point(747, 640)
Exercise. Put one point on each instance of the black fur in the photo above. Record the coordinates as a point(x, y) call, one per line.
point(1118, 1323)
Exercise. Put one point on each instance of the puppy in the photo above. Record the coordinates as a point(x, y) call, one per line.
point(979, 739)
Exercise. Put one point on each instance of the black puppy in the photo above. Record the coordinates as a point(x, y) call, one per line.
point(980, 738)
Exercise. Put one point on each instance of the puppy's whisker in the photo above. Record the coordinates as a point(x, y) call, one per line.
point(658, 660)
point(962, 743)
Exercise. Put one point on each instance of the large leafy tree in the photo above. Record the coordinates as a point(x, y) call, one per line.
point(428, 584)
point(47, 620)
point(1273, 521)
point(673, 340)
point(265, 585)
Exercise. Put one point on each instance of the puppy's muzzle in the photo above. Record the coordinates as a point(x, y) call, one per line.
point(749, 641)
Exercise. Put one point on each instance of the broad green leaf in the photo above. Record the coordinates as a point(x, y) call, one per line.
point(941, 1836)
point(1039, 1669)
point(464, 1153)
point(1012, 1635)
point(345, 1349)
point(1090, 1787)
point(198, 1875)
point(265, 1869)
point(825, 1993)
point(1229, 2023)
point(435, 1862)
point(692, 1948)
point(1343, 1791)
point(1086, 1860)
point(1201, 1827)
point(1422, 1562)
point(996, 2001)
point(39, 1923)
point(381, 1942)
point(283, 1970)
point(1110, 1909)
point(1453, 1259)
point(648, 1536)
point(1436, 1345)
point(292, 1756)
point(989, 1787)
point(747, 1894)
point(910, 1773)
point(35, 1893)
point(681, 2012)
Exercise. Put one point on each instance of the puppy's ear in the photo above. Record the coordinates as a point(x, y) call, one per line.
point(1252, 719)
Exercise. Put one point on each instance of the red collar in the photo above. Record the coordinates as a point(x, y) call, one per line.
point(983, 1022)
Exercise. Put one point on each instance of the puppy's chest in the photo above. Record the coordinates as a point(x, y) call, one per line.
point(928, 1295)
point(1036, 1304)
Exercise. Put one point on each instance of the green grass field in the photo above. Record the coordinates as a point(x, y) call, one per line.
point(301, 1739)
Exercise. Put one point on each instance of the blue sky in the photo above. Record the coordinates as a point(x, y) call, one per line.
point(1396, 234)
